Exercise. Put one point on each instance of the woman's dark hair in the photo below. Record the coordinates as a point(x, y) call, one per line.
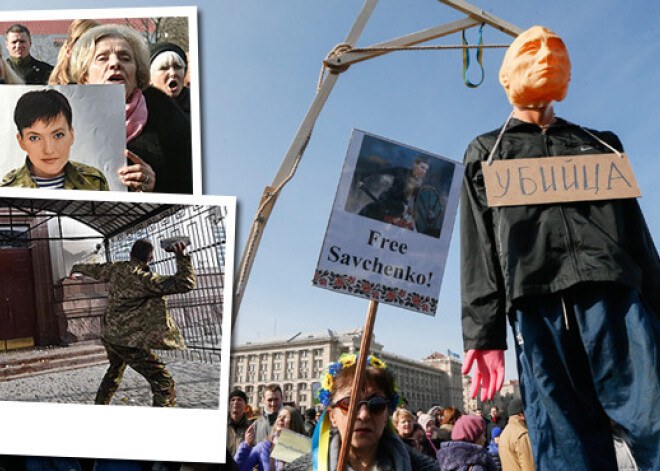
point(41, 105)
point(451, 415)
point(423, 446)
point(142, 250)
point(296, 424)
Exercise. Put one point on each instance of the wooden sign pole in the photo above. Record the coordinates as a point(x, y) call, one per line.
point(358, 384)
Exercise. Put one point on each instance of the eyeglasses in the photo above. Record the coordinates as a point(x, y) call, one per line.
point(375, 405)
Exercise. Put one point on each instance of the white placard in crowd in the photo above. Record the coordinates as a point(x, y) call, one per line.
point(391, 222)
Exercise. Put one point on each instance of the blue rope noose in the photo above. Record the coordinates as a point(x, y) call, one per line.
point(466, 58)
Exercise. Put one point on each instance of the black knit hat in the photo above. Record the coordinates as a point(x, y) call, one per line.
point(238, 393)
point(164, 46)
point(515, 407)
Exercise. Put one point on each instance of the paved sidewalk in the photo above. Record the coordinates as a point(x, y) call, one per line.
point(197, 386)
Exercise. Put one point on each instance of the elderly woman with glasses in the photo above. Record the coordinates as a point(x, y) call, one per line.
point(374, 444)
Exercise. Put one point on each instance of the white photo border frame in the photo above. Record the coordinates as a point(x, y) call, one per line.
point(127, 432)
point(189, 12)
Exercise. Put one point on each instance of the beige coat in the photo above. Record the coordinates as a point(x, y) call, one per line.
point(515, 447)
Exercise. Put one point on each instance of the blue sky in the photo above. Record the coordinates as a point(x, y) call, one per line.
point(260, 63)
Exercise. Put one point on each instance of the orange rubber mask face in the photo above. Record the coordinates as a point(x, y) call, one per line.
point(536, 69)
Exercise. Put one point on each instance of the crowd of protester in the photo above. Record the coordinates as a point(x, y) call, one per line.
point(441, 438)
point(387, 435)
point(157, 96)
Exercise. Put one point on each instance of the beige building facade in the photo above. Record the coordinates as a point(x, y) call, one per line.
point(296, 364)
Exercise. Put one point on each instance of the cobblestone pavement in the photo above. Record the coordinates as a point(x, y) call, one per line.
point(197, 386)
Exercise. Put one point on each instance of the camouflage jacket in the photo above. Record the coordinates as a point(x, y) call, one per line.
point(77, 176)
point(137, 313)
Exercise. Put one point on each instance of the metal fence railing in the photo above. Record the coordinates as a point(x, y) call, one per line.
point(198, 312)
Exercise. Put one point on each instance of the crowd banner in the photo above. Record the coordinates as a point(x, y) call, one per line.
point(388, 235)
point(562, 179)
point(290, 446)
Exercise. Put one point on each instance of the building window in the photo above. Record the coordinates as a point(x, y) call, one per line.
point(263, 377)
point(252, 368)
point(289, 375)
point(276, 377)
point(263, 368)
point(304, 353)
point(252, 358)
point(304, 364)
point(290, 355)
point(318, 364)
point(277, 356)
point(303, 397)
point(318, 352)
point(277, 366)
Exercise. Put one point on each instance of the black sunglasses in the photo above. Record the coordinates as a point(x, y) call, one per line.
point(375, 405)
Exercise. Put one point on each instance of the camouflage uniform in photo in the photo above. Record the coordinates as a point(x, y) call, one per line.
point(31, 70)
point(137, 321)
point(77, 176)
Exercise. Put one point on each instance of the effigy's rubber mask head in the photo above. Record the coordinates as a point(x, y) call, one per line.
point(536, 69)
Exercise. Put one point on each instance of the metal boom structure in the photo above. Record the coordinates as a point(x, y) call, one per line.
point(337, 62)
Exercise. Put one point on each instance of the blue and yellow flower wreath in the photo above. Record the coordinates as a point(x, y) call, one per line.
point(321, 438)
point(345, 361)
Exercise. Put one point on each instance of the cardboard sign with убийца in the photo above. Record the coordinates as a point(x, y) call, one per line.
point(563, 179)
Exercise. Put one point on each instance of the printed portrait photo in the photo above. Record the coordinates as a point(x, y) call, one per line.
point(400, 186)
point(148, 55)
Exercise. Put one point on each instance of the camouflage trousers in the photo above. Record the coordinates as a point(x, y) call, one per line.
point(145, 362)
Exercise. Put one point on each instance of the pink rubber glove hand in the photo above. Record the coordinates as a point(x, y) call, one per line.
point(489, 372)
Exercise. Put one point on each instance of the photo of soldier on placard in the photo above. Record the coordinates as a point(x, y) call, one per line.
point(401, 186)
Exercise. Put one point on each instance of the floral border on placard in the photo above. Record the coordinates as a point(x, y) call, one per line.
point(375, 291)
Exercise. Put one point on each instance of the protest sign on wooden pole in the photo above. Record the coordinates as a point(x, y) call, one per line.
point(358, 384)
point(395, 205)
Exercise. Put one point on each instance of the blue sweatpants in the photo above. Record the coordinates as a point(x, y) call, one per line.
point(587, 355)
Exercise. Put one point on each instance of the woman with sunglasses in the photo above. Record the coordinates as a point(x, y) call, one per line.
point(374, 444)
point(257, 455)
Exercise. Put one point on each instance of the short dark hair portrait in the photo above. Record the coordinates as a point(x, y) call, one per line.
point(44, 105)
point(18, 28)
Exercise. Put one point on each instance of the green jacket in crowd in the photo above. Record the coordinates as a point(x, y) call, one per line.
point(77, 176)
point(31, 70)
point(137, 314)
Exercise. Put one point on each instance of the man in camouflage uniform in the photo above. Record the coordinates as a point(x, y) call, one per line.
point(137, 319)
point(19, 43)
point(77, 176)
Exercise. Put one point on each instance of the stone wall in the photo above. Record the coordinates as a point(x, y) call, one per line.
point(79, 308)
